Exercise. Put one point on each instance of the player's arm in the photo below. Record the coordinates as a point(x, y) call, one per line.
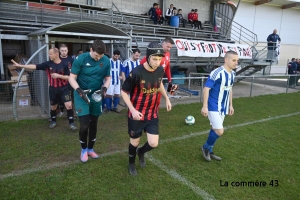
point(23, 66)
point(205, 94)
point(231, 110)
point(164, 94)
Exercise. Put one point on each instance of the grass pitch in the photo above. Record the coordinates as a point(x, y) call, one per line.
point(260, 147)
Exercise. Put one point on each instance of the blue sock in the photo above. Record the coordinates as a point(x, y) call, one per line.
point(108, 102)
point(211, 140)
point(116, 101)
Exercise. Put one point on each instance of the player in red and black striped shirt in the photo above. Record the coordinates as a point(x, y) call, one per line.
point(144, 85)
point(58, 75)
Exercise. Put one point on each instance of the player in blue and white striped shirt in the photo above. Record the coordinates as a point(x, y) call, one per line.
point(131, 63)
point(217, 101)
point(114, 88)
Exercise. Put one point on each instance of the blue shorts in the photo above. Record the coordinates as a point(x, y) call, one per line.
point(136, 127)
point(82, 108)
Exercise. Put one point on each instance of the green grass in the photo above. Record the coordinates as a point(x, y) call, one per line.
point(263, 151)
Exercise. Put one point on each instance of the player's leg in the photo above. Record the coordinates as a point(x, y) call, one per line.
point(216, 121)
point(67, 99)
point(82, 110)
point(54, 99)
point(135, 130)
point(116, 98)
point(152, 140)
point(108, 97)
point(95, 111)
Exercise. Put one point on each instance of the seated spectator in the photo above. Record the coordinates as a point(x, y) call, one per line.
point(197, 23)
point(169, 14)
point(160, 18)
point(191, 18)
point(152, 13)
point(181, 19)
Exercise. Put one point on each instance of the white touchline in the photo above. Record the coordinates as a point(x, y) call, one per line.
point(180, 178)
point(58, 164)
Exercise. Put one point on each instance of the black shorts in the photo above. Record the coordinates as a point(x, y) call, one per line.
point(62, 94)
point(136, 127)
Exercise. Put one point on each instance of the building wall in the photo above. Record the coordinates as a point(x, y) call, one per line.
point(142, 6)
point(263, 19)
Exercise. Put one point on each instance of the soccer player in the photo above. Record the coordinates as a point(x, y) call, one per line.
point(165, 62)
point(87, 74)
point(58, 75)
point(114, 88)
point(144, 84)
point(67, 60)
point(217, 101)
point(130, 63)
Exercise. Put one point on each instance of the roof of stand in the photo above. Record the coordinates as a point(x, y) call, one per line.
point(86, 29)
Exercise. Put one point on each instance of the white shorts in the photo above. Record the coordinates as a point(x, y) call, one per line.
point(216, 119)
point(113, 89)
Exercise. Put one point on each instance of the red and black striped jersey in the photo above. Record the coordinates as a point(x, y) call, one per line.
point(59, 68)
point(143, 85)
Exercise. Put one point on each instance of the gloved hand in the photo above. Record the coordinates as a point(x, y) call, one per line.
point(83, 94)
point(103, 91)
point(172, 88)
point(169, 87)
point(97, 96)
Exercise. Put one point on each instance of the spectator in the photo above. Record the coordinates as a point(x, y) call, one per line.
point(191, 18)
point(292, 70)
point(169, 14)
point(196, 21)
point(160, 18)
point(272, 45)
point(298, 71)
point(181, 19)
point(152, 13)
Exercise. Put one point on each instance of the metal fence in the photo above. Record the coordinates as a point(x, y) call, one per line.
point(32, 101)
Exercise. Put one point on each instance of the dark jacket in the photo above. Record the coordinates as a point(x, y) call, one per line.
point(272, 41)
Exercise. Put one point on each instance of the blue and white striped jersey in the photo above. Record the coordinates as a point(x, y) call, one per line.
point(220, 81)
point(115, 70)
point(129, 65)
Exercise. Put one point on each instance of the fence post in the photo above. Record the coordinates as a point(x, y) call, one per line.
point(251, 86)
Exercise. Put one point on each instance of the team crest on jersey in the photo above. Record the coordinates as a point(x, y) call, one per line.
point(143, 81)
point(167, 57)
point(69, 65)
point(79, 110)
point(51, 70)
point(101, 64)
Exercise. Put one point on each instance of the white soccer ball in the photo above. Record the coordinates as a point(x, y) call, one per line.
point(190, 120)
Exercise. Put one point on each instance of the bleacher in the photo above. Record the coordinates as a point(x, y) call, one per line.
point(20, 18)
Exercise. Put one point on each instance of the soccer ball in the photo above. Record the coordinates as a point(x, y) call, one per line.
point(189, 120)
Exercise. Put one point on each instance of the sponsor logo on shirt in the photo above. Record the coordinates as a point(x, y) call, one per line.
point(149, 91)
point(143, 81)
point(227, 88)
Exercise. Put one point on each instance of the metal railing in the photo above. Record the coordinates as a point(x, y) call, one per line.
point(235, 31)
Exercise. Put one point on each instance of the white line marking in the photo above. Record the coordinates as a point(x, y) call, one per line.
point(180, 178)
point(58, 164)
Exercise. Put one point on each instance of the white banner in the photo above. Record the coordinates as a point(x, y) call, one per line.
point(199, 48)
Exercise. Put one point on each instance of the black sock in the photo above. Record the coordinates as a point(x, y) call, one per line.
point(132, 153)
point(92, 131)
point(70, 115)
point(145, 148)
point(62, 107)
point(53, 115)
point(83, 133)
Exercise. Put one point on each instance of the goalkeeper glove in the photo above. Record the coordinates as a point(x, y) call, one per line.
point(83, 94)
point(97, 96)
point(172, 88)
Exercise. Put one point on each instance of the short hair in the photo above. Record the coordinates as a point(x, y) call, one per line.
point(116, 52)
point(79, 50)
point(136, 50)
point(179, 10)
point(99, 46)
point(293, 58)
point(63, 45)
point(192, 10)
point(196, 10)
point(55, 50)
point(228, 53)
point(154, 4)
point(168, 39)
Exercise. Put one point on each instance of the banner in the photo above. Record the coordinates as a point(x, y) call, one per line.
point(199, 48)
